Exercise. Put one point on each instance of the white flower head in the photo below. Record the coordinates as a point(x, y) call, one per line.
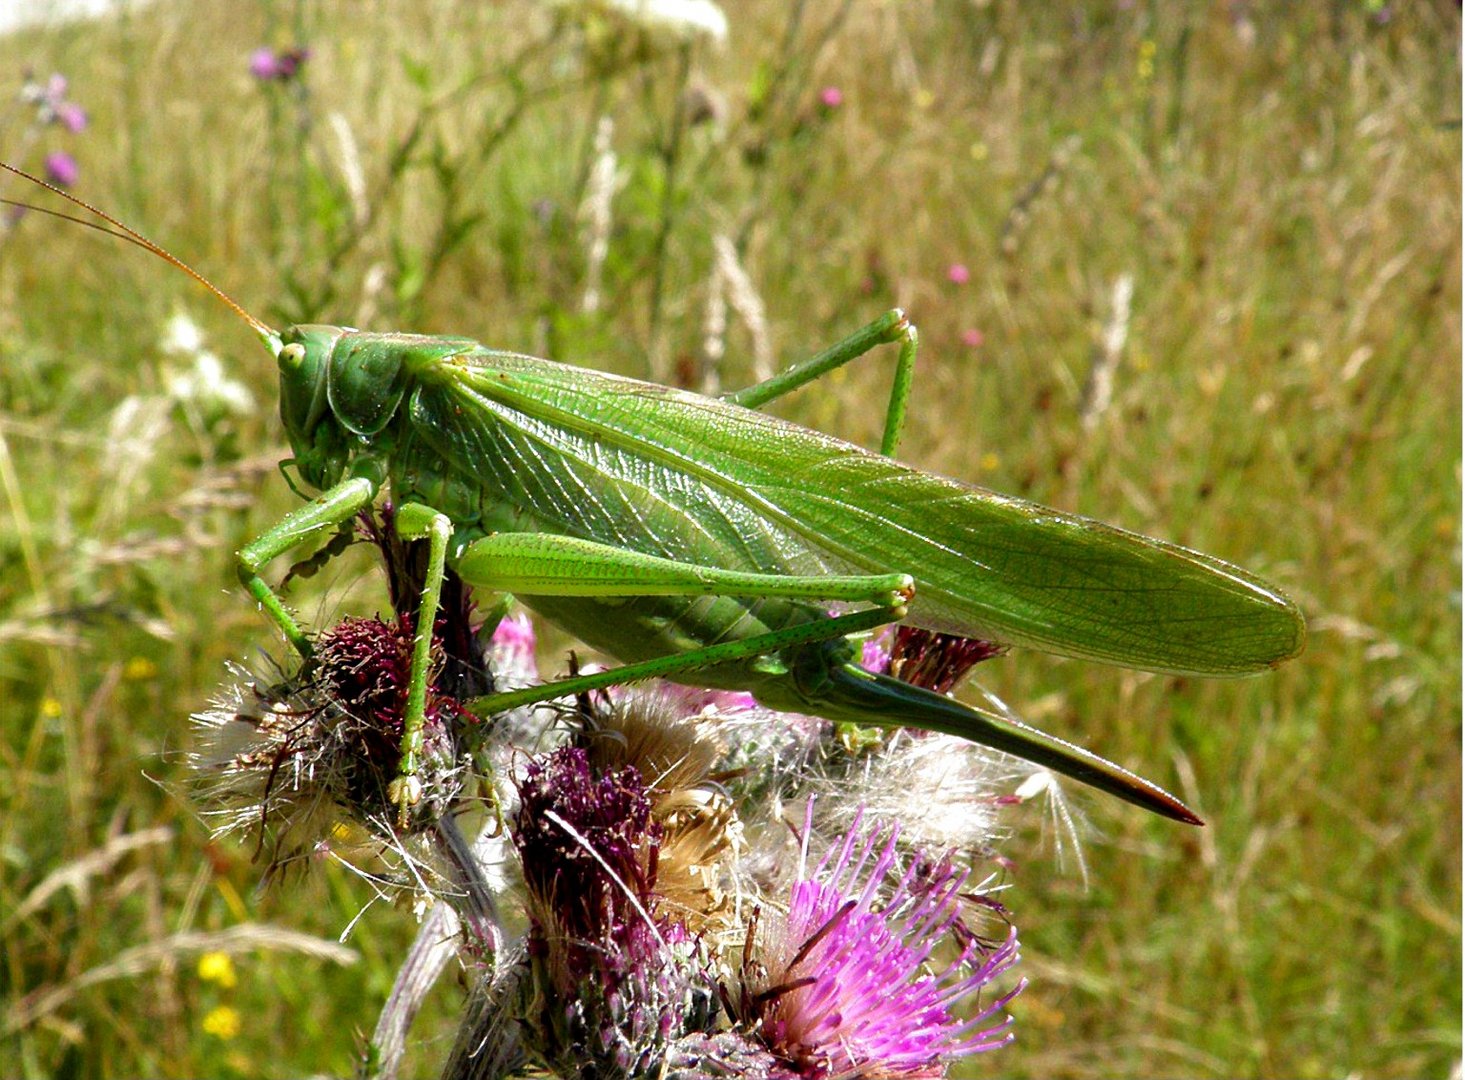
point(182, 336)
point(683, 19)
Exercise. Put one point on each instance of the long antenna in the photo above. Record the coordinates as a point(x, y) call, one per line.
point(132, 236)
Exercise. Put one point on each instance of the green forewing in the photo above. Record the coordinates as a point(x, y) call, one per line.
point(686, 476)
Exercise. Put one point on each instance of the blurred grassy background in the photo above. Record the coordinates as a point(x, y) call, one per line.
point(1280, 181)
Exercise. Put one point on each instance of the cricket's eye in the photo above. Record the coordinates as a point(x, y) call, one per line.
point(292, 355)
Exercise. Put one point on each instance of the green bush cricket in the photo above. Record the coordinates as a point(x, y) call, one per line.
point(701, 540)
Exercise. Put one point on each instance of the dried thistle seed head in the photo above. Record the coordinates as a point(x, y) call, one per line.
point(296, 754)
point(946, 792)
point(702, 841)
point(658, 730)
point(258, 753)
point(661, 732)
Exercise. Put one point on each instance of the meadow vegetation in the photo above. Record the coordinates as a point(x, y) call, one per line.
point(1190, 269)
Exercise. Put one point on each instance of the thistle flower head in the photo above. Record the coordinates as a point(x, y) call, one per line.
point(52, 104)
point(61, 169)
point(511, 651)
point(270, 65)
point(612, 981)
point(295, 754)
point(937, 661)
point(365, 669)
point(898, 783)
point(658, 731)
point(844, 983)
point(588, 847)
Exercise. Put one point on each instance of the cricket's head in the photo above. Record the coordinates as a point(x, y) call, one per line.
point(322, 445)
point(340, 390)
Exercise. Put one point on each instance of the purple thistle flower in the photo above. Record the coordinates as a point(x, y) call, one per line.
point(52, 104)
point(62, 169)
point(614, 983)
point(514, 642)
point(262, 64)
point(831, 97)
point(875, 655)
point(267, 65)
point(292, 754)
point(843, 986)
point(71, 116)
point(591, 879)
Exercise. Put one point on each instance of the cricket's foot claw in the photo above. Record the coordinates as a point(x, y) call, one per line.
point(405, 792)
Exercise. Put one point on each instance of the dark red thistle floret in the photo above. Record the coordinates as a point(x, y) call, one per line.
point(367, 664)
point(587, 877)
point(365, 667)
point(937, 661)
point(464, 669)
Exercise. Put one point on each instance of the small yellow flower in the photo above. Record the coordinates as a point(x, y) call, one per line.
point(1145, 68)
point(217, 967)
point(139, 668)
point(990, 461)
point(924, 99)
point(50, 708)
point(979, 151)
point(223, 1022)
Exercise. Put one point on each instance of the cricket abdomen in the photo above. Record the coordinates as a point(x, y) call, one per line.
point(648, 628)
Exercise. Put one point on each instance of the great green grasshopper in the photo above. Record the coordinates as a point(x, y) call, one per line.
point(699, 539)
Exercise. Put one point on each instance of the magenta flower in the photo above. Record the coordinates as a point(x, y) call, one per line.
point(267, 65)
point(958, 274)
point(262, 64)
point(71, 116)
point(844, 984)
point(511, 651)
point(875, 654)
point(61, 169)
point(690, 700)
point(973, 339)
point(52, 104)
point(831, 97)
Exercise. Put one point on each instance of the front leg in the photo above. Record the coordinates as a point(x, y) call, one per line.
point(414, 521)
point(330, 509)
